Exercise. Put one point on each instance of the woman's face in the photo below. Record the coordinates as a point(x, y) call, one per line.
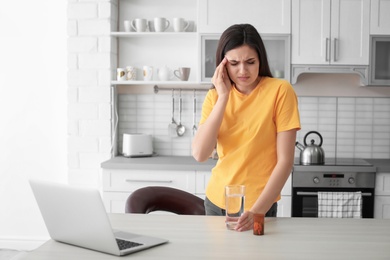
point(243, 67)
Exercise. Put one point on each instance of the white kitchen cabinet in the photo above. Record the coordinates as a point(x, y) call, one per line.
point(202, 179)
point(268, 16)
point(119, 184)
point(382, 195)
point(380, 17)
point(330, 32)
point(284, 207)
point(380, 60)
point(284, 204)
point(276, 45)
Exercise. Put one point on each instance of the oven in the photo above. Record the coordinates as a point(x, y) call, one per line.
point(335, 175)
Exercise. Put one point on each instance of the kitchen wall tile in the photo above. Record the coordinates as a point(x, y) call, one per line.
point(350, 127)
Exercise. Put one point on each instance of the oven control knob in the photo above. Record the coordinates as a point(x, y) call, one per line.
point(351, 180)
point(316, 180)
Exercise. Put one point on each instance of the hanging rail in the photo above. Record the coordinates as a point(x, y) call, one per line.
point(157, 89)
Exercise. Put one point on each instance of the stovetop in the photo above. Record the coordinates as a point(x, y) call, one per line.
point(340, 162)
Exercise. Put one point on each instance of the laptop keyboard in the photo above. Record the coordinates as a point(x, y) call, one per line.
point(123, 244)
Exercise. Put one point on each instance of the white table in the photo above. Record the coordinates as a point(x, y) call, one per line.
point(201, 237)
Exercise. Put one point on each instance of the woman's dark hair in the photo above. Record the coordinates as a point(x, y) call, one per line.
point(243, 34)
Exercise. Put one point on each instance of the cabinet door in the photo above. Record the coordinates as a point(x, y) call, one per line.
point(268, 16)
point(310, 31)
point(202, 179)
point(380, 18)
point(284, 207)
point(382, 207)
point(330, 32)
point(350, 32)
point(382, 184)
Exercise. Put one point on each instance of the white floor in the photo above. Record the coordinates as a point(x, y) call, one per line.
point(7, 254)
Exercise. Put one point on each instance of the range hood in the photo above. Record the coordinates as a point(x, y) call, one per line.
point(297, 70)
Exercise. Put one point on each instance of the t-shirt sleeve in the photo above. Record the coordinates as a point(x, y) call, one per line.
point(286, 110)
point(208, 105)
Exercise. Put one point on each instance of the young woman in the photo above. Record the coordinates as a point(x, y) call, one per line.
point(252, 120)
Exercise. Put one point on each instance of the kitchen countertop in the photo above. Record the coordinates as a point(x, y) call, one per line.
point(382, 165)
point(168, 163)
point(206, 237)
point(183, 163)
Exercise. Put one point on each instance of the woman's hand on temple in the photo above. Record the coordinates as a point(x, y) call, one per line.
point(221, 79)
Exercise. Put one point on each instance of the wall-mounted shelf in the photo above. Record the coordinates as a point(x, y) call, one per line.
point(161, 83)
point(152, 34)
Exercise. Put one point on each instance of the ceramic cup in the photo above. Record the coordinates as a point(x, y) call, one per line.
point(179, 24)
point(127, 25)
point(131, 73)
point(182, 73)
point(161, 24)
point(148, 73)
point(139, 25)
point(120, 74)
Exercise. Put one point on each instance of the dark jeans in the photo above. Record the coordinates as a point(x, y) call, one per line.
point(213, 210)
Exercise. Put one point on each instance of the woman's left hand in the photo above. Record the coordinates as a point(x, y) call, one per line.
point(245, 222)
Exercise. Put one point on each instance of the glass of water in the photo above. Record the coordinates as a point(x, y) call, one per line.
point(234, 202)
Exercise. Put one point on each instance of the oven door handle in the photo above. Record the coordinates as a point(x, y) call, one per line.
point(303, 193)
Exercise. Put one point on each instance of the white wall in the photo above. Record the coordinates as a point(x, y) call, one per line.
point(33, 121)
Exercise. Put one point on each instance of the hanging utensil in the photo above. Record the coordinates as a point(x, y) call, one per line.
point(173, 125)
point(194, 128)
point(180, 128)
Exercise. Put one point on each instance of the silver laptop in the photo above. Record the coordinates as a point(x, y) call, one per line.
point(77, 216)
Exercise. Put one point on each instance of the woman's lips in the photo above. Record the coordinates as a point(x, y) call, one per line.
point(243, 78)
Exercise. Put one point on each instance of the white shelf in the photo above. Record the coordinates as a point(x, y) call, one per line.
point(161, 83)
point(152, 34)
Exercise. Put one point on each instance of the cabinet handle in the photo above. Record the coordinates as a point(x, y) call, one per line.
point(335, 51)
point(326, 49)
point(158, 181)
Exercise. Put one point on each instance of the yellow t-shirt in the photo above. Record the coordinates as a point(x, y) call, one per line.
point(246, 143)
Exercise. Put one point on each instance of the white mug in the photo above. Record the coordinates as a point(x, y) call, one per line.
point(160, 24)
point(179, 24)
point(148, 73)
point(139, 25)
point(131, 73)
point(127, 25)
point(120, 74)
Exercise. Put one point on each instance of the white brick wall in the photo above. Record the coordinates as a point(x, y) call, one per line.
point(90, 54)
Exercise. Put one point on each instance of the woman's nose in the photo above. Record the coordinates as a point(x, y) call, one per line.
point(242, 68)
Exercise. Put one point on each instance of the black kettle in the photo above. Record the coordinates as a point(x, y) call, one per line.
point(311, 154)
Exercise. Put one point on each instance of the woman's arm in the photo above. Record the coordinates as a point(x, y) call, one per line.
point(206, 136)
point(285, 152)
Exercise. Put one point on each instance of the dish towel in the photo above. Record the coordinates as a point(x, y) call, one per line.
point(340, 204)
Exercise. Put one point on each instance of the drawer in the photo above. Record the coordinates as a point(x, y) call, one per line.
point(130, 180)
point(202, 178)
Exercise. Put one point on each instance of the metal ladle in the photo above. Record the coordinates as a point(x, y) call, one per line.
point(172, 127)
point(180, 128)
point(194, 128)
